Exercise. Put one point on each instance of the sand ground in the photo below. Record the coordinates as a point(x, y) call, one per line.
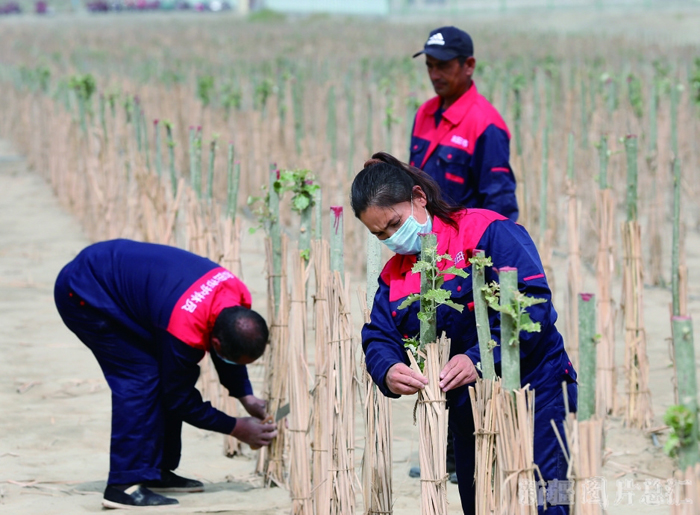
point(55, 404)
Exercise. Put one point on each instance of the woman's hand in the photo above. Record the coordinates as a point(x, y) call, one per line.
point(459, 371)
point(254, 406)
point(401, 380)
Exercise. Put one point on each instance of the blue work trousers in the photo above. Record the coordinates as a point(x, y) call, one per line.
point(145, 436)
point(548, 454)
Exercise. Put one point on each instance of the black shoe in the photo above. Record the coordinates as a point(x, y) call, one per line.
point(136, 496)
point(171, 482)
point(453, 478)
point(414, 472)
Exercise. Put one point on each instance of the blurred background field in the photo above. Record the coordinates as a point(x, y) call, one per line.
point(323, 93)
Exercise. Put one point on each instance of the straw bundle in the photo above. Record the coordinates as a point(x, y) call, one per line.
point(638, 412)
point(482, 396)
point(515, 421)
point(231, 260)
point(606, 399)
point(271, 460)
point(432, 428)
point(299, 401)
point(686, 497)
point(585, 446)
point(341, 399)
point(376, 460)
point(320, 456)
point(574, 272)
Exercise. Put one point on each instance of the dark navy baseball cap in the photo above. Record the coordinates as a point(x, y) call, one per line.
point(447, 43)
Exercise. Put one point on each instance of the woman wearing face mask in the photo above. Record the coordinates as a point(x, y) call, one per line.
point(397, 203)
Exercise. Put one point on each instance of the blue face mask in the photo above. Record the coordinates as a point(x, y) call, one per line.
point(406, 239)
point(225, 360)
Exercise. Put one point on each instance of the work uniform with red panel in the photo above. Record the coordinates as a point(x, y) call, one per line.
point(544, 363)
point(146, 312)
point(466, 149)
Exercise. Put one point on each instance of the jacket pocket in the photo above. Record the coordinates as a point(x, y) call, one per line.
point(454, 165)
point(417, 151)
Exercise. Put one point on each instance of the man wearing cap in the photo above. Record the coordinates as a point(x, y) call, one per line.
point(149, 313)
point(458, 136)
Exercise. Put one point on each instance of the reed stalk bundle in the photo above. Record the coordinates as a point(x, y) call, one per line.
point(638, 412)
point(432, 428)
point(320, 455)
point(573, 258)
point(271, 461)
point(231, 260)
point(483, 398)
point(515, 423)
point(376, 459)
point(584, 452)
point(299, 398)
point(606, 401)
point(686, 497)
point(341, 399)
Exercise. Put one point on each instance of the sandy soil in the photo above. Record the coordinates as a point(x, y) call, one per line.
point(55, 404)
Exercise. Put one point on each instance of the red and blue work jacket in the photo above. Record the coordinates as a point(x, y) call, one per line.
point(544, 363)
point(468, 153)
point(168, 299)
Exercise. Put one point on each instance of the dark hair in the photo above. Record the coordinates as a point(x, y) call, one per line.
point(385, 181)
point(461, 59)
point(242, 333)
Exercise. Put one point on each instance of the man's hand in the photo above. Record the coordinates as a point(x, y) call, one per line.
point(254, 432)
point(254, 406)
point(459, 371)
point(401, 380)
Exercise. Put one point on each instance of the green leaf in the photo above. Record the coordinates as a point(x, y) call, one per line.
point(672, 445)
point(438, 296)
point(459, 272)
point(424, 317)
point(453, 305)
point(301, 202)
point(421, 266)
point(439, 281)
point(409, 300)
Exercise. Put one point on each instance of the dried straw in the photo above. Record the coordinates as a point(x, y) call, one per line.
point(638, 412)
point(606, 400)
point(321, 415)
point(515, 421)
point(376, 460)
point(585, 447)
point(574, 272)
point(686, 495)
point(341, 399)
point(271, 460)
point(299, 399)
point(482, 396)
point(432, 429)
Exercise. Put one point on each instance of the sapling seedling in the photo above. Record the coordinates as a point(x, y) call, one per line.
point(512, 305)
point(301, 183)
point(517, 310)
point(430, 299)
point(486, 344)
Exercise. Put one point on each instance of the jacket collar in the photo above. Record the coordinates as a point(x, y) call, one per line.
point(456, 111)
